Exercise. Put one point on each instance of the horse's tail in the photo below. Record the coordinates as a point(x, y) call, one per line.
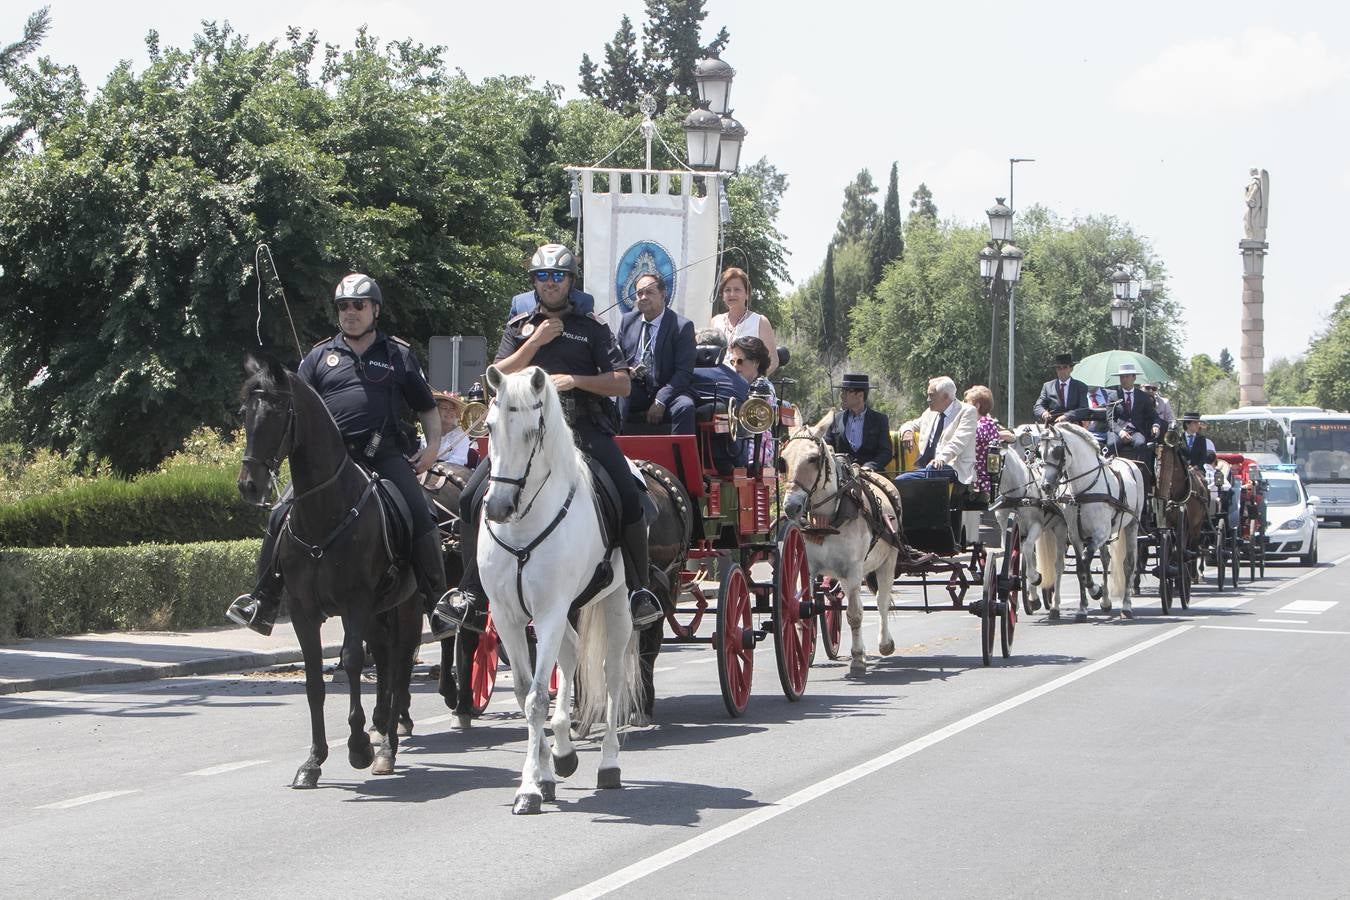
point(1117, 578)
point(594, 633)
point(1049, 556)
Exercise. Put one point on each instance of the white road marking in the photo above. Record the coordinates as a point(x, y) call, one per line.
point(1273, 630)
point(228, 767)
point(1307, 607)
point(1284, 621)
point(664, 669)
point(1305, 576)
point(715, 836)
point(87, 798)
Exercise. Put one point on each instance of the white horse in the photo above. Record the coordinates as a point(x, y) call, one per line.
point(853, 553)
point(1109, 500)
point(1045, 534)
point(542, 547)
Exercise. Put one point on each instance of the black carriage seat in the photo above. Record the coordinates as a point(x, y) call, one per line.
point(930, 515)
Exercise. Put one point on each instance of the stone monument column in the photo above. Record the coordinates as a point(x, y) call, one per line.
point(1251, 362)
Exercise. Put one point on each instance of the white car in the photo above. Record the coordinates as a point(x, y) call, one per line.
point(1291, 518)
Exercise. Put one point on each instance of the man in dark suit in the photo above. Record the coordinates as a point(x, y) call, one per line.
point(1134, 420)
point(862, 434)
point(659, 346)
point(1062, 396)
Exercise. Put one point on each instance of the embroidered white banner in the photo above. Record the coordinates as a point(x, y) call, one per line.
point(670, 230)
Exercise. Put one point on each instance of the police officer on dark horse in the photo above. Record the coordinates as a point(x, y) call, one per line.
point(364, 377)
point(580, 355)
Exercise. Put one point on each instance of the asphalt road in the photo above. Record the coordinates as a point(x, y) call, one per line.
point(1197, 755)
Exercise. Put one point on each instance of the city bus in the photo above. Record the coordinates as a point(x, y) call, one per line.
point(1315, 441)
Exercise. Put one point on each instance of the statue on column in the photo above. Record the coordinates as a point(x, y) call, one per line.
point(1258, 206)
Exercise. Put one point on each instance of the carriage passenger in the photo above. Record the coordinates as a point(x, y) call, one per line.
point(1134, 420)
point(587, 369)
point(948, 430)
point(858, 431)
point(1063, 398)
point(364, 378)
point(454, 443)
point(750, 358)
point(987, 431)
point(1199, 450)
point(1164, 406)
point(714, 380)
point(658, 344)
point(738, 320)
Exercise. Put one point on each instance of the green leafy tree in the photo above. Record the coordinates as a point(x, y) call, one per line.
point(622, 81)
point(887, 241)
point(1287, 382)
point(1329, 360)
point(858, 217)
point(1201, 385)
point(921, 204)
point(672, 44)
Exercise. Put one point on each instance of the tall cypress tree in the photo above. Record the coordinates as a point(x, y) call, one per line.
point(621, 82)
point(829, 310)
point(888, 242)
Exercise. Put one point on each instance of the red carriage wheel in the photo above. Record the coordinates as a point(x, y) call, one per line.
point(483, 667)
point(735, 654)
point(794, 622)
point(682, 630)
point(830, 607)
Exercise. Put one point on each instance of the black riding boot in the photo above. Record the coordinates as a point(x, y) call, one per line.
point(258, 610)
point(642, 603)
point(466, 605)
point(429, 566)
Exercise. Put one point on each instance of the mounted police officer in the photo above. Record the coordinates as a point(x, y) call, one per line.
point(364, 377)
point(587, 369)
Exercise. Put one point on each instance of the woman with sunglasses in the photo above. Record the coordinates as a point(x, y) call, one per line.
point(366, 378)
point(580, 355)
point(738, 320)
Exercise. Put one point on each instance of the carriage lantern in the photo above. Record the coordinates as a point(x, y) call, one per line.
point(756, 414)
point(473, 417)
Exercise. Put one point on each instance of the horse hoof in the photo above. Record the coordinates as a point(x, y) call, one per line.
point(384, 765)
point(886, 648)
point(1054, 615)
point(1096, 592)
point(608, 778)
point(548, 791)
point(1081, 617)
point(857, 669)
point(565, 765)
point(527, 805)
point(1127, 614)
point(1035, 579)
point(463, 722)
point(405, 728)
point(306, 778)
point(361, 754)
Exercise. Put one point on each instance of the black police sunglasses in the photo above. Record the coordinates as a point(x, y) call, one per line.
point(344, 305)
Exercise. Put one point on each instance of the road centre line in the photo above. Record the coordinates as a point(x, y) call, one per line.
point(228, 767)
point(87, 798)
point(1272, 630)
point(744, 823)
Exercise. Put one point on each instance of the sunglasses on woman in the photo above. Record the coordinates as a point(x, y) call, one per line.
point(344, 305)
point(555, 277)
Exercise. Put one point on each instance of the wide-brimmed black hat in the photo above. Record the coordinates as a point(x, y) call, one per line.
point(855, 383)
point(1190, 417)
point(1064, 359)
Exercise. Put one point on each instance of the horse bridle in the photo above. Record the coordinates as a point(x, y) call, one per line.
point(821, 471)
point(519, 483)
point(273, 465)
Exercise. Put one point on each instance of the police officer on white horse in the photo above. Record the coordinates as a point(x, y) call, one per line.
point(364, 377)
point(587, 368)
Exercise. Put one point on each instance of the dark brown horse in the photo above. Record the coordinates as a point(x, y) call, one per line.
point(333, 556)
point(1183, 496)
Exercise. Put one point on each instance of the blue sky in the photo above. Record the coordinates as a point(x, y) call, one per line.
point(1154, 117)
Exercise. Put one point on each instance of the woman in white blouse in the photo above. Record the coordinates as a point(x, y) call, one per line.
point(738, 320)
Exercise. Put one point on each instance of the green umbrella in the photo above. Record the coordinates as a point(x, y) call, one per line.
point(1099, 369)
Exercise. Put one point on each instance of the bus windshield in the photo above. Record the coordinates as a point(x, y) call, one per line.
point(1322, 450)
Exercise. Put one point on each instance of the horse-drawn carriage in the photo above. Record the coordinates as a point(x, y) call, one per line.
point(713, 520)
point(1245, 535)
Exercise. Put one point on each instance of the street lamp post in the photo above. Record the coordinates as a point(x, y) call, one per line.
point(1001, 266)
point(1129, 283)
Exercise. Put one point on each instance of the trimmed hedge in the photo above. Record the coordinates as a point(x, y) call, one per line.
point(185, 504)
point(69, 590)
